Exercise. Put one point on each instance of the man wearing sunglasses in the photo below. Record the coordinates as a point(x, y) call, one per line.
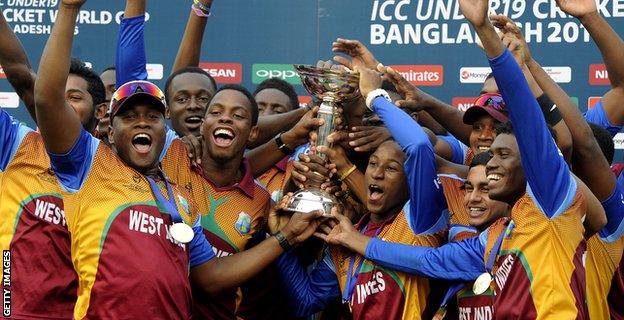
point(131, 236)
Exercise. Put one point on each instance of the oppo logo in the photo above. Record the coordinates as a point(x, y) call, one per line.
point(286, 72)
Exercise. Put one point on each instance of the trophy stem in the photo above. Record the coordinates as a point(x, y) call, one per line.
point(326, 112)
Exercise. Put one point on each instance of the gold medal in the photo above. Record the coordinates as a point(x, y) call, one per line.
point(482, 283)
point(181, 232)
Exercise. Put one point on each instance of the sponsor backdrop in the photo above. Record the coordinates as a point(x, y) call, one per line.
point(248, 41)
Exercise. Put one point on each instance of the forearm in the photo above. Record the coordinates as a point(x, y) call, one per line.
point(189, 51)
point(586, 154)
point(16, 66)
point(134, 8)
point(51, 82)
point(228, 272)
point(427, 121)
point(426, 201)
point(308, 293)
point(452, 119)
point(612, 48)
point(270, 126)
point(453, 261)
point(264, 157)
point(130, 58)
point(610, 44)
point(546, 172)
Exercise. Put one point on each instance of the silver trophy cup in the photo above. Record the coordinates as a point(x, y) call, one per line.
point(331, 87)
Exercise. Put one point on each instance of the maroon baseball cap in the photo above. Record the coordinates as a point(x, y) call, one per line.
point(135, 91)
point(487, 104)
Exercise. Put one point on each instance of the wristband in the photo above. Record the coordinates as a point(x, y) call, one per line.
point(201, 6)
point(348, 173)
point(549, 110)
point(283, 242)
point(199, 12)
point(374, 94)
point(281, 146)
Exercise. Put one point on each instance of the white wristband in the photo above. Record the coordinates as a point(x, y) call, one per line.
point(374, 94)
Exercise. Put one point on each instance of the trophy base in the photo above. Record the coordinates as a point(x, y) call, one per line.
point(309, 200)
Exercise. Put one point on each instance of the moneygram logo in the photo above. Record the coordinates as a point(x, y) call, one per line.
point(592, 101)
point(263, 71)
point(224, 72)
point(598, 75)
point(463, 103)
point(422, 75)
point(473, 74)
point(559, 74)
point(9, 100)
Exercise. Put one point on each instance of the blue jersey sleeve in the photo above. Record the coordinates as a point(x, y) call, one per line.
point(73, 167)
point(427, 205)
point(614, 208)
point(11, 135)
point(461, 260)
point(598, 116)
point(169, 137)
point(130, 59)
point(457, 147)
point(200, 249)
point(308, 293)
point(550, 183)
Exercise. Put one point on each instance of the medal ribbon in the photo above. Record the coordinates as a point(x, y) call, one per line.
point(169, 205)
point(352, 275)
point(495, 249)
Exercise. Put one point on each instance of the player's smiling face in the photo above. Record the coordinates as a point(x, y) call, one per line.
point(506, 179)
point(482, 210)
point(228, 127)
point(190, 94)
point(483, 134)
point(386, 183)
point(78, 97)
point(138, 136)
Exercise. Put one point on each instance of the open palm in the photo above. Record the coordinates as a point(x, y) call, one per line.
point(577, 8)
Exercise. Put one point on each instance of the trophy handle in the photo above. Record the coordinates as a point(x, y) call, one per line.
point(326, 112)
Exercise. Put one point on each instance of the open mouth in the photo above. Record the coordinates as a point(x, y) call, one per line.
point(223, 137)
point(142, 143)
point(483, 148)
point(494, 177)
point(476, 212)
point(193, 121)
point(375, 192)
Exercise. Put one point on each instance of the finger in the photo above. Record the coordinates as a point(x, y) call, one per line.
point(300, 178)
point(343, 61)
point(316, 159)
point(321, 236)
point(337, 137)
point(304, 157)
point(299, 166)
point(325, 228)
point(362, 141)
point(362, 133)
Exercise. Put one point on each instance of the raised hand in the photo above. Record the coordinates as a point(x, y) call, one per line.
point(195, 148)
point(413, 96)
point(475, 11)
point(369, 80)
point(368, 138)
point(512, 38)
point(577, 8)
point(360, 55)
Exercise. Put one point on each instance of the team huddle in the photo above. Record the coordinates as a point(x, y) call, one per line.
point(510, 210)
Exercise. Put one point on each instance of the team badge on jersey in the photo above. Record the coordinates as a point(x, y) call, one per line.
point(185, 204)
point(243, 224)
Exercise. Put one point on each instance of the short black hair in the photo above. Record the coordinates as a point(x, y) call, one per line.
point(178, 72)
point(94, 82)
point(605, 141)
point(281, 85)
point(252, 100)
point(108, 69)
point(481, 159)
